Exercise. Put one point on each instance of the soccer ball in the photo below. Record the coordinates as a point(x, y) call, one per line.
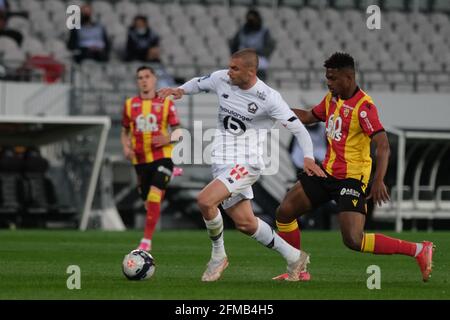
point(138, 265)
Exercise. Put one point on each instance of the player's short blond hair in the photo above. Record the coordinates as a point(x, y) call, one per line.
point(248, 56)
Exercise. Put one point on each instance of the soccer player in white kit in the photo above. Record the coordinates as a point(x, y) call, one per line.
point(246, 105)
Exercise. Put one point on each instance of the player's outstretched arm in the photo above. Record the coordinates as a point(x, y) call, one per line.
point(305, 117)
point(312, 169)
point(304, 140)
point(379, 191)
point(193, 86)
point(177, 93)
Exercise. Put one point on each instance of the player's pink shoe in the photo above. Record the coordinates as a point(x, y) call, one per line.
point(304, 276)
point(144, 246)
point(425, 259)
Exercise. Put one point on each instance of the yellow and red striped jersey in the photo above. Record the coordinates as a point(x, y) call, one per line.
point(145, 119)
point(349, 126)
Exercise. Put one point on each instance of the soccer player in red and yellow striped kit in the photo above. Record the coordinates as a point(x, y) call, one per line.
point(146, 142)
point(352, 123)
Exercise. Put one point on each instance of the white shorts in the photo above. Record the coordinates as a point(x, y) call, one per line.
point(238, 179)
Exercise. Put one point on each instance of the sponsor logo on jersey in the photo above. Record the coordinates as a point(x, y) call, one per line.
point(252, 107)
point(238, 172)
point(368, 124)
point(136, 105)
point(261, 95)
point(235, 114)
point(334, 128)
point(234, 126)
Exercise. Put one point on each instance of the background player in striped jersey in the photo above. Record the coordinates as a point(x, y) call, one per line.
point(351, 125)
point(146, 142)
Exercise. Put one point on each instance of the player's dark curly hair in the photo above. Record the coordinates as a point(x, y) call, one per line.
point(340, 60)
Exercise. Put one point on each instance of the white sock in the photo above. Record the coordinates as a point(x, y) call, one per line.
point(419, 247)
point(215, 232)
point(269, 238)
point(146, 241)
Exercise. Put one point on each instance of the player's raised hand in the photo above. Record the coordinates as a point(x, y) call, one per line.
point(379, 193)
point(312, 169)
point(177, 93)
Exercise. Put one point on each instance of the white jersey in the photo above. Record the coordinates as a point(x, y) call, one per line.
point(245, 118)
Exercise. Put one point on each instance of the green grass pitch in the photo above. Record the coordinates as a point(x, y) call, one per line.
point(33, 265)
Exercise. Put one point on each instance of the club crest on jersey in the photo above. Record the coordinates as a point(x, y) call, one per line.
point(252, 107)
point(346, 112)
point(157, 107)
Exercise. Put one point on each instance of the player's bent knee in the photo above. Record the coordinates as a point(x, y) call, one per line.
point(247, 228)
point(285, 211)
point(352, 242)
point(204, 202)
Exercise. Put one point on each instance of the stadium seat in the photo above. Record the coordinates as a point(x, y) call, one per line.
point(330, 15)
point(55, 8)
point(32, 46)
point(29, 5)
point(149, 9)
point(439, 19)
point(367, 64)
point(344, 4)
point(20, 24)
point(195, 10)
point(294, 3)
point(441, 5)
point(363, 4)
point(246, 3)
point(394, 5)
point(102, 7)
point(7, 44)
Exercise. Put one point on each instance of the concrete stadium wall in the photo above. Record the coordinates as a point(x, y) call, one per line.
point(18, 98)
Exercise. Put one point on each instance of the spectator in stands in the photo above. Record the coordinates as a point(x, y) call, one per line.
point(254, 35)
point(10, 33)
point(91, 41)
point(143, 42)
point(4, 6)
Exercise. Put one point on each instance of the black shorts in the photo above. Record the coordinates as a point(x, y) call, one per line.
point(156, 173)
point(349, 194)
